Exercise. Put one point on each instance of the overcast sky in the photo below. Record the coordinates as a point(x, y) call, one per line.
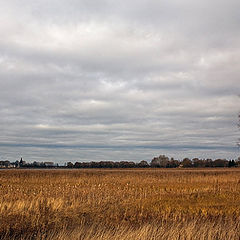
point(84, 80)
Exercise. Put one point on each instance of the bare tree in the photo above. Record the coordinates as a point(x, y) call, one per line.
point(238, 143)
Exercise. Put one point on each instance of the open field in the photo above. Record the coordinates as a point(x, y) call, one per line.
point(120, 204)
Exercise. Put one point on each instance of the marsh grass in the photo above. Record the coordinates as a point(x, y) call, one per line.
point(120, 204)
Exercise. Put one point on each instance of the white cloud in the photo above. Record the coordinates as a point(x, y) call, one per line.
point(142, 74)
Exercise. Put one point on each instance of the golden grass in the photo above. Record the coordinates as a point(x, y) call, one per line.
point(120, 204)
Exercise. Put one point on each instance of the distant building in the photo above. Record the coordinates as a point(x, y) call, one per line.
point(22, 163)
point(49, 164)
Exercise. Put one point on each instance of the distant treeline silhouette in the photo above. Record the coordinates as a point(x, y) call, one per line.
point(24, 164)
point(159, 162)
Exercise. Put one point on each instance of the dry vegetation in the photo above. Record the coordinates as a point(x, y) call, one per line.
point(120, 204)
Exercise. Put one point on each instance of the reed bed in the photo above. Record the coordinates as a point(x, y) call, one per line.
point(120, 204)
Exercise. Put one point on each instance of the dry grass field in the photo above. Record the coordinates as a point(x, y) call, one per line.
point(120, 204)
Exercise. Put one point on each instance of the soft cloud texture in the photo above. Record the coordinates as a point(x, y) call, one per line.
point(111, 80)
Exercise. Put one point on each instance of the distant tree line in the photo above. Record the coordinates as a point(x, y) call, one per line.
point(159, 162)
point(24, 164)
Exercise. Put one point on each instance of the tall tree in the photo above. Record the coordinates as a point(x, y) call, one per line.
point(238, 143)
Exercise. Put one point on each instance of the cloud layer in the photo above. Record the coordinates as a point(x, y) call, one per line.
point(95, 80)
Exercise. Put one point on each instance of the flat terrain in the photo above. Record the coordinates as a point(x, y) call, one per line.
point(120, 204)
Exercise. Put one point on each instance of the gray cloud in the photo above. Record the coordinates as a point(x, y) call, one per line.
point(88, 80)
